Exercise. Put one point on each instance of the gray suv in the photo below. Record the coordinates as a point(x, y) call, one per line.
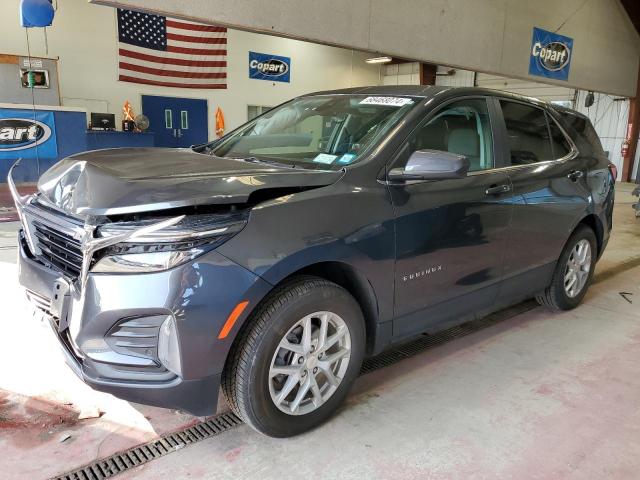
point(270, 262)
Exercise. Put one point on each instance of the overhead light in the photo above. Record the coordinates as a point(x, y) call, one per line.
point(378, 60)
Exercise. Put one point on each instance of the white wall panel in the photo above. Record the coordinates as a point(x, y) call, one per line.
point(401, 74)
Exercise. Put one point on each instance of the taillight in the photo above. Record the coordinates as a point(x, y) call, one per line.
point(614, 171)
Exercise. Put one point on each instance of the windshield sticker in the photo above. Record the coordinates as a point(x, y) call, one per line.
point(325, 158)
point(389, 101)
point(347, 158)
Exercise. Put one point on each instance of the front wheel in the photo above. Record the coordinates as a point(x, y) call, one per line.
point(573, 272)
point(295, 363)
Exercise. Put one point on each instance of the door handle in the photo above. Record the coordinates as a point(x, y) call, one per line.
point(575, 175)
point(174, 132)
point(497, 189)
point(179, 133)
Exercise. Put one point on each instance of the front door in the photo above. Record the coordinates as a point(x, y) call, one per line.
point(450, 234)
point(176, 122)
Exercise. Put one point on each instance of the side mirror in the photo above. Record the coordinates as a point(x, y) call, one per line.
point(431, 165)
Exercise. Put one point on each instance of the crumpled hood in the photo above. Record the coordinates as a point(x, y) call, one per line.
point(128, 180)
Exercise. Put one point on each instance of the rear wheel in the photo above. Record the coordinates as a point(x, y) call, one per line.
point(296, 361)
point(573, 272)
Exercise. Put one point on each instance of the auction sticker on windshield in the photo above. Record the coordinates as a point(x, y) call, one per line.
point(390, 101)
point(325, 158)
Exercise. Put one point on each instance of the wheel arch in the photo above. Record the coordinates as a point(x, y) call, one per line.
point(594, 223)
point(356, 284)
point(341, 274)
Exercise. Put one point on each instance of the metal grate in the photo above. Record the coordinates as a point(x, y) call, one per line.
point(59, 249)
point(133, 457)
point(142, 454)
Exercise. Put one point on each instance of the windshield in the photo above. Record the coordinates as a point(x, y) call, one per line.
point(324, 131)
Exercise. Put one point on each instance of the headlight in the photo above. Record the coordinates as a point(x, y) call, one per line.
point(166, 248)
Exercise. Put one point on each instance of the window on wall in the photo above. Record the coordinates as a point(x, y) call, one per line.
point(461, 127)
point(255, 110)
point(528, 133)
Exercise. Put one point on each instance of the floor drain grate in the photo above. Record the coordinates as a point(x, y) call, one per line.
point(166, 444)
point(172, 442)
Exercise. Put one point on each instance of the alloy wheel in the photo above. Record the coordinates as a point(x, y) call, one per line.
point(309, 363)
point(578, 268)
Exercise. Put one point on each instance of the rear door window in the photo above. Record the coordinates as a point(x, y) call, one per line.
point(560, 144)
point(528, 133)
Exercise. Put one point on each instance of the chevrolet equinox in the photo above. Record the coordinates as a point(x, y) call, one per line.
point(271, 261)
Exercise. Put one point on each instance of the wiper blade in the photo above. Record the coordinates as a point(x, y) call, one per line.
point(269, 162)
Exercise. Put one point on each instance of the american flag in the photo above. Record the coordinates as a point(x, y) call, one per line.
point(157, 50)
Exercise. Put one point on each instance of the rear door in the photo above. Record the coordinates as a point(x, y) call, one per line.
point(450, 234)
point(549, 183)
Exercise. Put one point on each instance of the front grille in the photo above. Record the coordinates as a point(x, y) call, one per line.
point(59, 249)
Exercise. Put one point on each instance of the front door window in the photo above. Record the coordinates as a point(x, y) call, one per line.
point(462, 127)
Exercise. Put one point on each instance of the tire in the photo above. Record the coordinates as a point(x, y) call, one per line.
point(248, 381)
point(556, 296)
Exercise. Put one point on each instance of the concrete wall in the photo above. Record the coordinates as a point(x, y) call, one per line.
point(492, 36)
point(84, 37)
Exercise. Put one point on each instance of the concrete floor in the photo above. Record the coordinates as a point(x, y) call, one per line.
point(539, 396)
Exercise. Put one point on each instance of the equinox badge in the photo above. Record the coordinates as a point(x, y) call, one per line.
point(422, 273)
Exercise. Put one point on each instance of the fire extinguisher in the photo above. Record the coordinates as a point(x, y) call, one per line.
point(626, 141)
point(625, 148)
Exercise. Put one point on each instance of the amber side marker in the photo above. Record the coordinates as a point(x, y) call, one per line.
point(231, 321)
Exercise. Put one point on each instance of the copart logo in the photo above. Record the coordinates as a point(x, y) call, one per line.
point(553, 56)
point(272, 67)
point(18, 133)
point(422, 273)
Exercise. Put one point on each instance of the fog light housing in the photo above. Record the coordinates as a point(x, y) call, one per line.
point(169, 346)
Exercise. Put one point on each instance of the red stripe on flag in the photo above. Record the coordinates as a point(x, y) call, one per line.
point(172, 61)
point(125, 78)
point(171, 73)
point(192, 39)
point(196, 51)
point(192, 26)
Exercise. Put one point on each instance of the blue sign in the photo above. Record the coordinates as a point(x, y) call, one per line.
point(269, 67)
point(550, 55)
point(24, 135)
